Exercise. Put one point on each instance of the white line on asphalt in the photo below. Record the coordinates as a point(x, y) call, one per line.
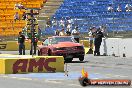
point(24, 79)
point(73, 85)
point(96, 73)
point(123, 76)
point(51, 81)
point(13, 77)
point(4, 76)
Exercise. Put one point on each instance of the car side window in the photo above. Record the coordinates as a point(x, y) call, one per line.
point(46, 42)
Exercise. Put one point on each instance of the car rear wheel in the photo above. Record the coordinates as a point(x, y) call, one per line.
point(81, 58)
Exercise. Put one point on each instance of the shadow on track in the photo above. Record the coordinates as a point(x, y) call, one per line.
point(78, 62)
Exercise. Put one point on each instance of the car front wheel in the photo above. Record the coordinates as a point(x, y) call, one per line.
point(81, 58)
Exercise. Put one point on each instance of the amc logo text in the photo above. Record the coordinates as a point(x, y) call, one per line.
point(3, 46)
point(25, 65)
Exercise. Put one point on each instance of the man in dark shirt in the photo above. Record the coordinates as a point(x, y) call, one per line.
point(34, 41)
point(97, 41)
point(21, 41)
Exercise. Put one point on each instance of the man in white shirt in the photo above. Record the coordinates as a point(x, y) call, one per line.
point(128, 8)
point(119, 8)
point(110, 8)
point(75, 34)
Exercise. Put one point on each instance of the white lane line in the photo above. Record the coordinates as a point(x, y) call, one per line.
point(73, 85)
point(123, 76)
point(4, 76)
point(51, 81)
point(96, 73)
point(24, 79)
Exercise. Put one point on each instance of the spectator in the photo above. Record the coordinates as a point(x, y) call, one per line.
point(119, 8)
point(105, 33)
point(110, 8)
point(97, 42)
point(57, 32)
point(48, 23)
point(128, 7)
point(62, 33)
point(21, 41)
point(24, 16)
point(68, 33)
point(75, 34)
point(90, 34)
point(18, 6)
point(54, 22)
point(62, 23)
point(16, 16)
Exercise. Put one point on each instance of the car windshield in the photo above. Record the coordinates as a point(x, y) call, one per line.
point(56, 40)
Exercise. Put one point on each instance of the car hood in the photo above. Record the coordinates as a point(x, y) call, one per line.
point(66, 44)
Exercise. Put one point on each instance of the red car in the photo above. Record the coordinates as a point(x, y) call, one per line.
point(64, 46)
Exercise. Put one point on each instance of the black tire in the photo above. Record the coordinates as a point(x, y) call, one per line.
point(49, 52)
point(81, 58)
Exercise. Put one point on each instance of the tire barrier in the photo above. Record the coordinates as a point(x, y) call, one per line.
point(17, 64)
point(13, 46)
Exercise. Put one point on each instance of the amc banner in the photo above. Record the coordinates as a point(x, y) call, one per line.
point(38, 64)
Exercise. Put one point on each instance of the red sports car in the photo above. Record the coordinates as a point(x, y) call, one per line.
point(64, 46)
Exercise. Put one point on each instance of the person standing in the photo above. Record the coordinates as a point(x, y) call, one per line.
point(21, 41)
point(105, 33)
point(57, 32)
point(62, 33)
point(90, 34)
point(34, 41)
point(75, 34)
point(97, 41)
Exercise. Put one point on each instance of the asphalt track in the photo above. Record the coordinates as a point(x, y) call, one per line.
point(98, 67)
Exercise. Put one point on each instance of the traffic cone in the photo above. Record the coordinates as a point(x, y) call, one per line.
point(90, 51)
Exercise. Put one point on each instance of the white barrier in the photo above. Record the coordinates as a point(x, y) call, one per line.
point(118, 46)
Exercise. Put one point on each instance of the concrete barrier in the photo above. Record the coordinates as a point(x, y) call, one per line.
point(13, 46)
point(15, 64)
point(118, 46)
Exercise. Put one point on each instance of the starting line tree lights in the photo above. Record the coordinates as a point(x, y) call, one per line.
point(32, 23)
